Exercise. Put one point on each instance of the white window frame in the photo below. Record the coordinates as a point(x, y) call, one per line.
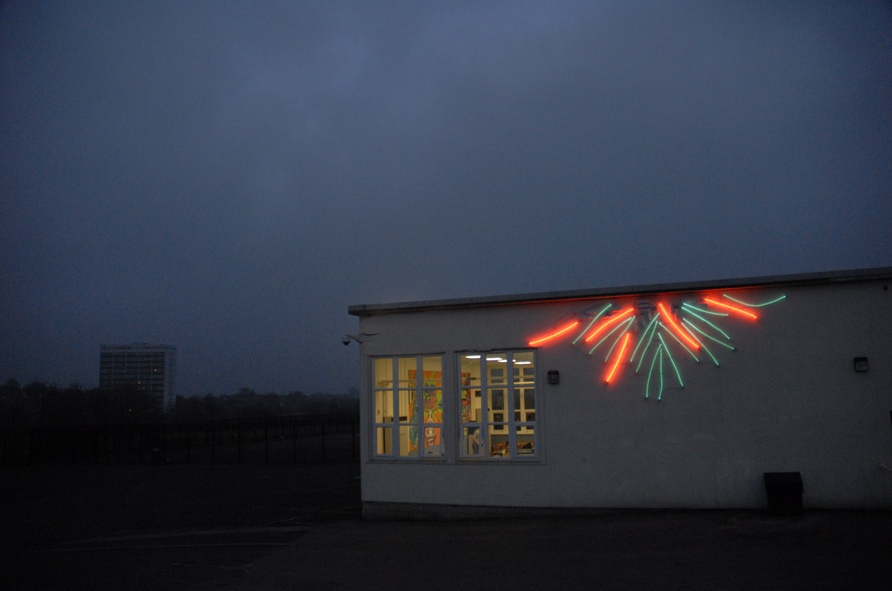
point(395, 424)
point(485, 425)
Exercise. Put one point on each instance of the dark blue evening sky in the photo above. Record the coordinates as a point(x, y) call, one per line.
point(227, 177)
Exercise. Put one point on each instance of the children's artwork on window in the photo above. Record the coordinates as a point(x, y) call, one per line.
point(432, 410)
point(429, 379)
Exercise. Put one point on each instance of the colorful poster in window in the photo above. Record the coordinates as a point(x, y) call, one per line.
point(432, 410)
point(466, 412)
point(431, 437)
point(429, 378)
point(413, 427)
point(433, 406)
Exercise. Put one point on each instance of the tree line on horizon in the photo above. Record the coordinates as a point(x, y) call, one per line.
point(46, 405)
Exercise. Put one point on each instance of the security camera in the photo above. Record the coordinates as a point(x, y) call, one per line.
point(359, 338)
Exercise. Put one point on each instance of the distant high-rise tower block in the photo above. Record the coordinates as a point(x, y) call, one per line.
point(140, 366)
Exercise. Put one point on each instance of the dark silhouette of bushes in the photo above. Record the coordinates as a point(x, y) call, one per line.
point(42, 405)
point(45, 405)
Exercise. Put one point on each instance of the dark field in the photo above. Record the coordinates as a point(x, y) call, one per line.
point(159, 527)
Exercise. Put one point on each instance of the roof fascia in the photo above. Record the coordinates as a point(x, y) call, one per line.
point(877, 273)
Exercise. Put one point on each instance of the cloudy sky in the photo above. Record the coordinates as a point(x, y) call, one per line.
point(227, 177)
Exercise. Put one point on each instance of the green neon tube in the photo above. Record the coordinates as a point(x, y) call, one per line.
point(660, 397)
point(672, 334)
point(774, 301)
point(693, 336)
point(615, 328)
point(689, 308)
point(641, 340)
point(672, 361)
point(647, 386)
point(604, 309)
point(619, 338)
point(724, 334)
point(647, 346)
point(691, 324)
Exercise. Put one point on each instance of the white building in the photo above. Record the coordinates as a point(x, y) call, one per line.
point(142, 367)
point(661, 396)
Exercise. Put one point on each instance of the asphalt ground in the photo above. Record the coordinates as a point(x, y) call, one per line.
point(716, 550)
point(159, 527)
point(299, 527)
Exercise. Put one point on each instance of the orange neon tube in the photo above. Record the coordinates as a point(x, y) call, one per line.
point(730, 307)
point(619, 357)
point(677, 328)
point(557, 333)
point(608, 323)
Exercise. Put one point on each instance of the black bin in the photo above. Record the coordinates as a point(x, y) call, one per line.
point(784, 492)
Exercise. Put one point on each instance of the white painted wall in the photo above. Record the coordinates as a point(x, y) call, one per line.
point(787, 400)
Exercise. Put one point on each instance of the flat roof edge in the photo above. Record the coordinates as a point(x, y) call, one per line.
point(579, 294)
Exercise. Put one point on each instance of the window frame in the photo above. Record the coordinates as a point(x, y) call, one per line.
point(509, 410)
point(421, 389)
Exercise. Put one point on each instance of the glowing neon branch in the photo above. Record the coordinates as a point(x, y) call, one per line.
point(692, 325)
point(724, 334)
point(647, 386)
point(641, 340)
point(598, 315)
point(730, 307)
point(660, 396)
point(557, 333)
point(674, 325)
point(643, 353)
point(691, 308)
point(774, 301)
point(672, 361)
point(672, 334)
point(619, 357)
point(716, 361)
point(592, 336)
point(604, 338)
point(627, 323)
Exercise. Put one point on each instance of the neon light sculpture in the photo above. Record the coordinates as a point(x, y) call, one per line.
point(616, 328)
point(557, 333)
point(685, 323)
point(618, 357)
point(598, 315)
point(674, 324)
point(647, 387)
point(643, 353)
point(730, 307)
point(774, 301)
point(672, 361)
point(624, 313)
point(628, 324)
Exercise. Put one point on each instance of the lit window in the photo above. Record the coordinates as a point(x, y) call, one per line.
point(498, 405)
point(408, 406)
